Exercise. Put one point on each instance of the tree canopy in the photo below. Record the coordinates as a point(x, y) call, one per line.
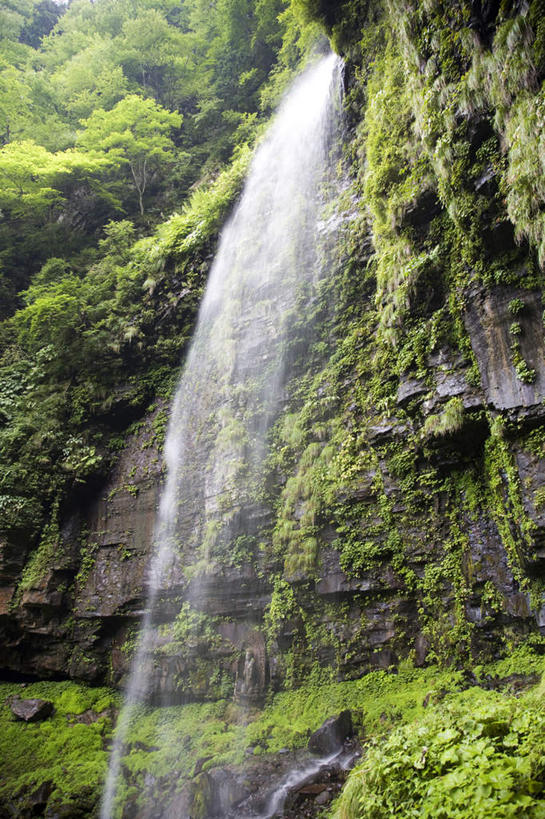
point(124, 134)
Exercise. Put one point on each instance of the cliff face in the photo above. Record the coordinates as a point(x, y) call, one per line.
point(404, 507)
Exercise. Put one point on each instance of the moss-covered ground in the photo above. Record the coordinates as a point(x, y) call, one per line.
point(397, 716)
point(63, 756)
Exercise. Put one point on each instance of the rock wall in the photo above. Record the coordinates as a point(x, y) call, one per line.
point(403, 512)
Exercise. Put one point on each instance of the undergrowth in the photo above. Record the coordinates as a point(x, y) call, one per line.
point(394, 714)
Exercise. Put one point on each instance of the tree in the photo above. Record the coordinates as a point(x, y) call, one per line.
point(90, 79)
point(30, 176)
point(135, 133)
point(45, 15)
point(14, 14)
point(15, 101)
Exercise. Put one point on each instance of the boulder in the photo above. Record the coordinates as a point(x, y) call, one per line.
point(217, 791)
point(31, 710)
point(332, 734)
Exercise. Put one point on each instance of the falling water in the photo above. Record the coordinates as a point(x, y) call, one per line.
point(295, 778)
point(233, 381)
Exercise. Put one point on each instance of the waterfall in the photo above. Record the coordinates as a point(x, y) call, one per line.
point(233, 382)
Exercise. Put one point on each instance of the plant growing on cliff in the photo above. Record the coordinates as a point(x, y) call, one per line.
point(447, 422)
point(525, 373)
point(515, 306)
point(191, 629)
point(43, 557)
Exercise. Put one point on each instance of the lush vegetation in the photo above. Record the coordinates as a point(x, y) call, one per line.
point(437, 177)
point(442, 731)
point(126, 130)
point(62, 760)
point(478, 752)
point(112, 116)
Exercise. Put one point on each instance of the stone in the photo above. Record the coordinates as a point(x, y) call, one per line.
point(33, 710)
point(313, 789)
point(540, 617)
point(387, 430)
point(323, 798)
point(422, 210)
point(200, 763)
point(334, 583)
point(421, 648)
point(410, 388)
point(488, 321)
point(332, 734)
point(219, 790)
point(486, 183)
point(30, 801)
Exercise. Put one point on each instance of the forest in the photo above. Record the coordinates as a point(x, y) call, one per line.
point(364, 532)
point(113, 116)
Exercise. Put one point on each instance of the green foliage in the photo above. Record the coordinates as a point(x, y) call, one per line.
point(63, 751)
point(96, 336)
point(450, 420)
point(70, 754)
point(282, 606)
point(43, 557)
point(190, 628)
point(505, 79)
point(87, 341)
point(71, 349)
point(130, 73)
point(477, 749)
point(135, 133)
point(506, 505)
point(397, 173)
point(515, 306)
point(31, 176)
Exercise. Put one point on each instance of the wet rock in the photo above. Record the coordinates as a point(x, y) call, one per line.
point(434, 697)
point(314, 788)
point(32, 710)
point(89, 717)
point(307, 799)
point(332, 734)
point(488, 320)
point(422, 210)
point(483, 18)
point(387, 430)
point(421, 648)
point(199, 765)
point(218, 791)
point(499, 237)
point(30, 801)
point(334, 583)
point(515, 684)
point(410, 388)
point(324, 797)
point(450, 384)
point(486, 183)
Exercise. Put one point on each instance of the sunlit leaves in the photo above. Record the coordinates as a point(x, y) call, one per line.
point(134, 133)
point(30, 175)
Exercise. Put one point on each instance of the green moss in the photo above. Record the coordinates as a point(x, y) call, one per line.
point(515, 527)
point(71, 754)
point(450, 420)
point(68, 754)
point(44, 555)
